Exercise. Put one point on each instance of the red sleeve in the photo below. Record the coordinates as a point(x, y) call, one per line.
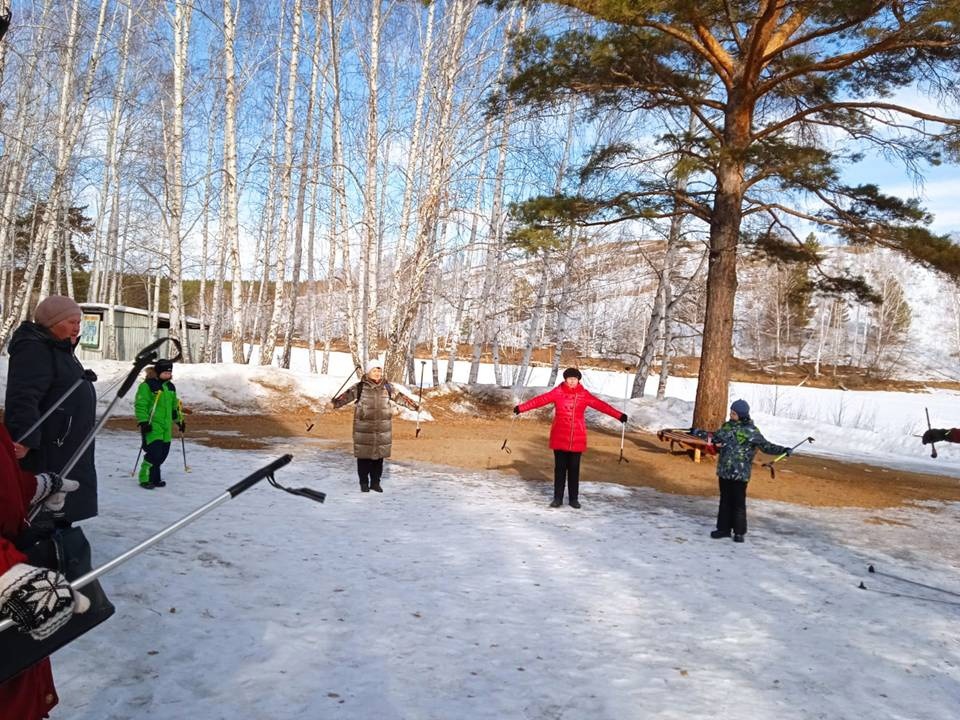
point(540, 400)
point(16, 489)
point(598, 404)
point(954, 435)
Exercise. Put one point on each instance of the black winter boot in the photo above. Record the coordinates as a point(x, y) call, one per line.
point(375, 486)
point(717, 534)
point(575, 504)
point(556, 503)
point(364, 486)
point(738, 538)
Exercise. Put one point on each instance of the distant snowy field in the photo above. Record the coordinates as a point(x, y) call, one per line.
point(459, 594)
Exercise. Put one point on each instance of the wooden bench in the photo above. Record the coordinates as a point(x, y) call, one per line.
point(686, 441)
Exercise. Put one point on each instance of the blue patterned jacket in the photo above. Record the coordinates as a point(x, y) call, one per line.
point(737, 444)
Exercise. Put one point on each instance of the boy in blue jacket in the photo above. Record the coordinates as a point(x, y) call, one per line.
point(737, 443)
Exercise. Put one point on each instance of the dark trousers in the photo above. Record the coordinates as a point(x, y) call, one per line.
point(369, 471)
point(732, 514)
point(566, 470)
point(155, 454)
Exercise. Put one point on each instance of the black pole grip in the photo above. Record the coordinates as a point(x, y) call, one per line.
point(145, 357)
point(312, 494)
point(258, 475)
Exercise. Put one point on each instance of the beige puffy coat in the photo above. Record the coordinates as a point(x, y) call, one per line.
point(372, 416)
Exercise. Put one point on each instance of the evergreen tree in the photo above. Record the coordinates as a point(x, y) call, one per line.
point(773, 84)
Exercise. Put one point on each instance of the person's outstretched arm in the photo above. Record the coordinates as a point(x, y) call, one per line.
point(345, 397)
point(537, 401)
point(935, 435)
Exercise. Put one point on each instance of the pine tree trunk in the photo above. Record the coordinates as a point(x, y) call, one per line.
point(714, 375)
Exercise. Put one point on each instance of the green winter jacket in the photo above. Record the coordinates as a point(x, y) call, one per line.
point(737, 443)
point(157, 404)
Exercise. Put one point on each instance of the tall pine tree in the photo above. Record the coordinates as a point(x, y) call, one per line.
point(779, 87)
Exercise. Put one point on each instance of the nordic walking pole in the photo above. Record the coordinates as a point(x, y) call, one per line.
point(623, 428)
point(339, 390)
point(933, 447)
point(153, 410)
point(504, 447)
point(50, 410)
point(231, 492)
point(183, 447)
point(423, 365)
point(781, 456)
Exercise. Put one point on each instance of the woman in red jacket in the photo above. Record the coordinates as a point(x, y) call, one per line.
point(37, 599)
point(568, 435)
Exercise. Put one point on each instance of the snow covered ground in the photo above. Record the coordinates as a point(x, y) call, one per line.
point(461, 595)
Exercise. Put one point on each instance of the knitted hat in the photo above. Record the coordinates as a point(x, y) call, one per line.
point(374, 364)
point(741, 408)
point(54, 309)
point(572, 372)
point(163, 365)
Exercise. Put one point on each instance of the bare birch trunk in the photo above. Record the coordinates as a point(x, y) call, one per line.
point(306, 153)
point(286, 181)
point(174, 186)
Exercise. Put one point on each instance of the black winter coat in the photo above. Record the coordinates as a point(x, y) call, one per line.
point(41, 370)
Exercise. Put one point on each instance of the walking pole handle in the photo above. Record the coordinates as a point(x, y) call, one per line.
point(148, 356)
point(933, 447)
point(258, 475)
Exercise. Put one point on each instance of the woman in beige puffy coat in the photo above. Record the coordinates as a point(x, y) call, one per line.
point(372, 423)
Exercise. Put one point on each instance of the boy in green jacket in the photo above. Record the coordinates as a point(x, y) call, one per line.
point(157, 409)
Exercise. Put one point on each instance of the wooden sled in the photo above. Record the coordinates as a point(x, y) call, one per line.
point(687, 442)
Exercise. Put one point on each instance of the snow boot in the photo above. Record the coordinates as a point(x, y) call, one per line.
point(738, 538)
point(364, 486)
point(376, 487)
point(575, 504)
point(717, 534)
point(556, 503)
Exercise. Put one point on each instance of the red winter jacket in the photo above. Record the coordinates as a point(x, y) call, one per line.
point(30, 695)
point(569, 430)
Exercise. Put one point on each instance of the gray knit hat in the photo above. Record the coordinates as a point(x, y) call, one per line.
point(54, 309)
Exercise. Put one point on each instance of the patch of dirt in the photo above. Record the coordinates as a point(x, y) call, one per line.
point(474, 443)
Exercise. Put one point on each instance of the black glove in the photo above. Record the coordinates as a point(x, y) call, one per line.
point(935, 435)
point(788, 452)
point(89, 376)
point(182, 425)
point(516, 409)
point(623, 417)
point(38, 600)
point(145, 427)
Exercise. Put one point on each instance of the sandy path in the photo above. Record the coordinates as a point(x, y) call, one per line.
point(474, 443)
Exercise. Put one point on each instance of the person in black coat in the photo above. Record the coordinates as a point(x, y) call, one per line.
point(42, 369)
